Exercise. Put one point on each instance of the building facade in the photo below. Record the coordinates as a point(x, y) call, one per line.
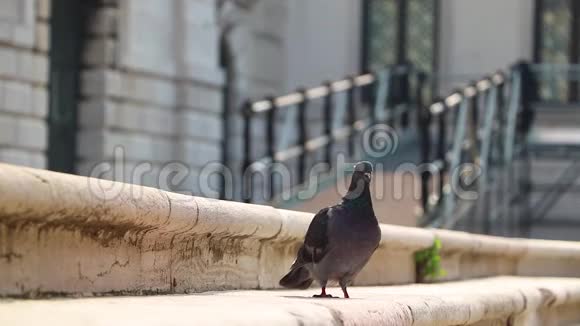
point(149, 91)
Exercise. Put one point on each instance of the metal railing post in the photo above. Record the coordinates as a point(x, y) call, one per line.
point(351, 117)
point(501, 194)
point(513, 106)
point(474, 124)
point(271, 145)
point(529, 93)
point(247, 160)
point(383, 88)
point(442, 150)
point(574, 49)
point(302, 136)
point(473, 143)
point(405, 89)
point(512, 115)
point(423, 122)
point(455, 161)
point(483, 202)
point(377, 88)
point(328, 119)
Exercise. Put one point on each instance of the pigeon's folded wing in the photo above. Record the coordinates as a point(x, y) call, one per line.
point(316, 240)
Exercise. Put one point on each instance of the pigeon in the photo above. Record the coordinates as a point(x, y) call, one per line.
point(340, 239)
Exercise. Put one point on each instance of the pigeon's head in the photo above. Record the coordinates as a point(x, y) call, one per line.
point(361, 179)
point(363, 169)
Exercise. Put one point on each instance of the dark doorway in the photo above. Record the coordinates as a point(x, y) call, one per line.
point(557, 41)
point(400, 31)
point(67, 32)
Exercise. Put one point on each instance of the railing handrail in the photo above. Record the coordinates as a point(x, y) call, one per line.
point(455, 97)
point(294, 98)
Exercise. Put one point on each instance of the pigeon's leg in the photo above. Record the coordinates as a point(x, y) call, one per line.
point(323, 292)
point(343, 283)
point(345, 292)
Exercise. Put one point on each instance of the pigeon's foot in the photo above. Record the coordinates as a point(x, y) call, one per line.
point(324, 296)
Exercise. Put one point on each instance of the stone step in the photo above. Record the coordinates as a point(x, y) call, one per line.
point(515, 301)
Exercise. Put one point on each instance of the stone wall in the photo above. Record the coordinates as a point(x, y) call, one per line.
point(152, 92)
point(324, 41)
point(24, 46)
point(258, 45)
point(151, 86)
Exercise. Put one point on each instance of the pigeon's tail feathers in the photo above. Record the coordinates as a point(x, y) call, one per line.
point(297, 278)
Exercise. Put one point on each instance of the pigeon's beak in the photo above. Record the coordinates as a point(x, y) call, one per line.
point(368, 176)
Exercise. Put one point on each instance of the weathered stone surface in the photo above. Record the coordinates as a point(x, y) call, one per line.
point(43, 8)
point(42, 37)
point(104, 22)
point(17, 64)
point(132, 87)
point(200, 125)
point(497, 301)
point(23, 99)
point(23, 133)
point(144, 27)
point(23, 157)
point(88, 236)
point(138, 147)
point(101, 82)
point(17, 22)
point(261, 61)
point(100, 113)
point(23, 81)
point(100, 52)
point(200, 97)
point(200, 27)
point(197, 153)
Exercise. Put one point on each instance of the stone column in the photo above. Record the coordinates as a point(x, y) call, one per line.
point(24, 39)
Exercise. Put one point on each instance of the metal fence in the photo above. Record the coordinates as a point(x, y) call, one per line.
point(377, 94)
point(475, 170)
point(474, 165)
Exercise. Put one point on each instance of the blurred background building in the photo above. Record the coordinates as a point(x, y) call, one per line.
point(147, 82)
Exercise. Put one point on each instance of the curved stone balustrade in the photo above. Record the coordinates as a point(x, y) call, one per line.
point(62, 235)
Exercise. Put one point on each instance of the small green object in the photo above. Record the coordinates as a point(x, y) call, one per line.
point(428, 262)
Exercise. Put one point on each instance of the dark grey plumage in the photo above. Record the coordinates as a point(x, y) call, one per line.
point(340, 239)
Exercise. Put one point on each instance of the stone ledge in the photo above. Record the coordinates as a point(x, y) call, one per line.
point(69, 235)
point(497, 301)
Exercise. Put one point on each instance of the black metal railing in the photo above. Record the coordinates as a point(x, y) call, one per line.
point(370, 94)
point(478, 133)
point(474, 167)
